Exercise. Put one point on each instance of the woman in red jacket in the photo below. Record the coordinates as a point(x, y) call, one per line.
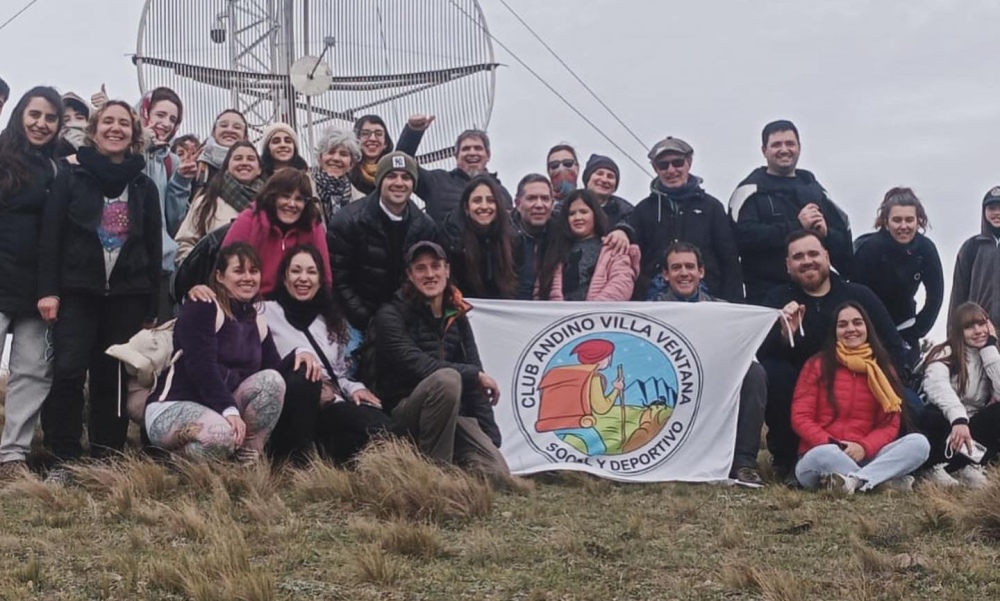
point(847, 411)
point(284, 215)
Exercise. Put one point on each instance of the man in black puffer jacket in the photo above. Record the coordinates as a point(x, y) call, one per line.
point(369, 238)
point(776, 200)
point(679, 210)
point(429, 375)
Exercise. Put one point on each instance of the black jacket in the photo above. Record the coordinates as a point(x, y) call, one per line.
point(765, 209)
point(697, 218)
point(71, 255)
point(198, 265)
point(366, 260)
point(442, 191)
point(529, 250)
point(617, 210)
point(894, 272)
point(818, 321)
point(411, 344)
point(20, 233)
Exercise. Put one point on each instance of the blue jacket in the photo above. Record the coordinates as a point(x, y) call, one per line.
point(175, 195)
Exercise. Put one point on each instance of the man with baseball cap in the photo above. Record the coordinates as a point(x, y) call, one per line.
point(774, 201)
point(977, 268)
point(428, 372)
point(679, 210)
point(602, 176)
point(368, 240)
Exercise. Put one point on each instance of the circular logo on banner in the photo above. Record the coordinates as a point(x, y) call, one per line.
point(615, 390)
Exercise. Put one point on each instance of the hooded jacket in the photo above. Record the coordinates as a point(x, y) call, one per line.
point(613, 280)
point(411, 344)
point(367, 262)
point(977, 273)
point(894, 272)
point(174, 194)
point(687, 215)
point(765, 209)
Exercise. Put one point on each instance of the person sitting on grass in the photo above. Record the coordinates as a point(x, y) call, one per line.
point(428, 372)
point(323, 406)
point(223, 393)
point(961, 383)
point(847, 411)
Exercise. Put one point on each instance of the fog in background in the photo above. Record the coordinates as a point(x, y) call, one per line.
point(884, 93)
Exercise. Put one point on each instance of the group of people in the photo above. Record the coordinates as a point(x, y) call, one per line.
point(320, 306)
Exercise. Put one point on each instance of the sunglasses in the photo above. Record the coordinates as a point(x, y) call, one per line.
point(566, 163)
point(675, 163)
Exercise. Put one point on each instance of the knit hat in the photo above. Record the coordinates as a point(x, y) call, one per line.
point(78, 104)
point(670, 144)
point(395, 161)
point(992, 196)
point(597, 161)
point(274, 129)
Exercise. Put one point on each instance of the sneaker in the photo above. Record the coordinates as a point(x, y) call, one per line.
point(247, 455)
point(13, 470)
point(839, 483)
point(901, 484)
point(972, 476)
point(59, 476)
point(940, 476)
point(748, 475)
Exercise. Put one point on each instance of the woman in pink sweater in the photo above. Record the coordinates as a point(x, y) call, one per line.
point(284, 215)
point(576, 265)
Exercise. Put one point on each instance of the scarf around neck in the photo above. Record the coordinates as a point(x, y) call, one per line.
point(213, 153)
point(112, 178)
point(238, 195)
point(300, 314)
point(334, 192)
point(368, 171)
point(862, 361)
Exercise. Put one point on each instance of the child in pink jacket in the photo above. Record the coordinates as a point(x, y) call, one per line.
point(577, 266)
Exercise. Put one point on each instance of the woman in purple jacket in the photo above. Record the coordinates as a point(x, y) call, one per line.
point(223, 394)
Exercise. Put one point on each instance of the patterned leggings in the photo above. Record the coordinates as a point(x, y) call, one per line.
point(198, 432)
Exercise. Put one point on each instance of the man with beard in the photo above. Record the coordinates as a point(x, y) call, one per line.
point(808, 304)
point(441, 190)
point(778, 199)
point(429, 375)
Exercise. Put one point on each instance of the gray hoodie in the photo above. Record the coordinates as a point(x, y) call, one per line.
point(977, 273)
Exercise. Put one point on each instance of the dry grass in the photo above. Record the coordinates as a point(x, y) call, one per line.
point(396, 527)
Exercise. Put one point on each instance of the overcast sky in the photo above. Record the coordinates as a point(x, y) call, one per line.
point(895, 92)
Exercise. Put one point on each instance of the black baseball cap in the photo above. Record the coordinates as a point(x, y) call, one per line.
point(425, 247)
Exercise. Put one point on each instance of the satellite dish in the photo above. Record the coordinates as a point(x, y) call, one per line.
point(310, 77)
point(393, 58)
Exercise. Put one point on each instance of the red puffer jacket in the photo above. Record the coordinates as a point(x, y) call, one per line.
point(859, 417)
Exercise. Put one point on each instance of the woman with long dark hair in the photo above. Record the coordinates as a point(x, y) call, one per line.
point(284, 215)
point(577, 266)
point(224, 199)
point(279, 149)
point(962, 382)
point(223, 394)
point(480, 241)
point(322, 404)
point(99, 278)
point(894, 262)
point(847, 411)
point(27, 174)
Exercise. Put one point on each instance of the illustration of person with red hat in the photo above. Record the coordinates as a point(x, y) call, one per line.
point(575, 406)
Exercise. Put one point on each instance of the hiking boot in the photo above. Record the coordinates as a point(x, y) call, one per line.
point(939, 476)
point(748, 475)
point(901, 484)
point(972, 476)
point(13, 470)
point(839, 483)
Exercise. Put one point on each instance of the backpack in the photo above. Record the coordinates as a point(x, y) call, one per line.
point(147, 355)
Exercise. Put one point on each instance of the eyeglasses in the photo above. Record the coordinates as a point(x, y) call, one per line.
point(675, 163)
point(378, 134)
point(566, 163)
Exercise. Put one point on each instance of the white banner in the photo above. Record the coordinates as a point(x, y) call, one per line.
point(643, 392)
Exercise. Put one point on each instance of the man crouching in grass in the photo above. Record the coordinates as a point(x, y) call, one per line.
point(429, 375)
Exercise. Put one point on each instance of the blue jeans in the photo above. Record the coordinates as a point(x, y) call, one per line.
point(894, 460)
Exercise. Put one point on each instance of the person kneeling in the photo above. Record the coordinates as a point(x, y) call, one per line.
point(223, 393)
point(429, 375)
point(322, 404)
point(848, 426)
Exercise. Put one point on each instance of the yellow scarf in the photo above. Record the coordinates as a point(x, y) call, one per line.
point(862, 361)
point(368, 171)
